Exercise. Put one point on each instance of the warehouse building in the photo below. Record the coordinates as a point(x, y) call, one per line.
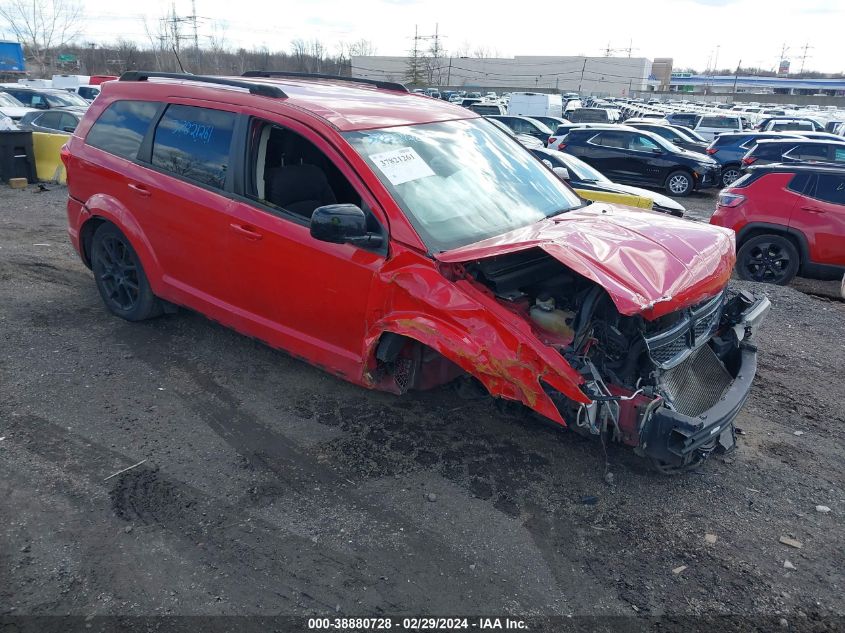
point(601, 76)
point(730, 84)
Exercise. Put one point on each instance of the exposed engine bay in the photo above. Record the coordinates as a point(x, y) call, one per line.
point(655, 385)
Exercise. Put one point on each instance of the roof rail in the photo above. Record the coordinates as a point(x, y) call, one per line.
point(386, 85)
point(254, 88)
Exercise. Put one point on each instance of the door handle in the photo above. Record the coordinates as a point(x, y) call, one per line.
point(246, 231)
point(812, 209)
point(141, 190)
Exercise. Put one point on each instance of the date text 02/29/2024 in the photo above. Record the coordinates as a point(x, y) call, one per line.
point(417, 624)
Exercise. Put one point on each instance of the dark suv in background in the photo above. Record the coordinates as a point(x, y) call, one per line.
point(728, 150)
point(636, 157)
point(795, 150)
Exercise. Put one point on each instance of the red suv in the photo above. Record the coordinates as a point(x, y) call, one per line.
point(400, 242)
point(788, 219)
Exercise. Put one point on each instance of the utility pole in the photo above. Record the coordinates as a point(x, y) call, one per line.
point(736, 76)
point(783, 52)
point(804, 57)
point(580, 81)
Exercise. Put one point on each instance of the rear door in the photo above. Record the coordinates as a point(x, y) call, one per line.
point(821, 217)
point(183, 197)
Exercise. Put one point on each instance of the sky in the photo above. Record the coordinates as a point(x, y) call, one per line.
point(696, 33)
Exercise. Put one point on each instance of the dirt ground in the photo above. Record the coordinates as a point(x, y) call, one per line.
point(270, 487)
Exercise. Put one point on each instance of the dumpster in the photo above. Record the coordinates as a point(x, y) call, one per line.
point(17, 159)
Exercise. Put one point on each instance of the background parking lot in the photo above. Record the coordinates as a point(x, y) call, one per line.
point(271, 487)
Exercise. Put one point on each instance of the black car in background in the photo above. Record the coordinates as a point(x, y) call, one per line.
point(581, 176)
point(637, 157)
point(679, 136)
point(795, 150)
point(525, 125)
point(54, 121)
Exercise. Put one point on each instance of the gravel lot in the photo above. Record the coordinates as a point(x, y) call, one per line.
point(271, 487)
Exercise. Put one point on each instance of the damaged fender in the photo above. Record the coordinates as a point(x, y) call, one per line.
point(468, 327)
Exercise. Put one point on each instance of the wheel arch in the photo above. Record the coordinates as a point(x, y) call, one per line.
point(798, 239)
point(101, 209)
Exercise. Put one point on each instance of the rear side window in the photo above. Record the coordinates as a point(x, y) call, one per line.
point(611, 139)
point(770, 150)
point(727, 139)
point(50, 120)
point(807, 152)
point(121, 127)
point(194, 143)
point(718, 122)
point(798, 184)
point(839, 155)
point(831, 188)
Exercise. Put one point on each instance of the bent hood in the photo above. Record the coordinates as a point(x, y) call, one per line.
point(648, 263)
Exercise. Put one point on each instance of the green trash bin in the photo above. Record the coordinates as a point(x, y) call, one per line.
point(16, 157)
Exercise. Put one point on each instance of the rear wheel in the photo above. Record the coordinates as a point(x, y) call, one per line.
point(768, 258)
point(119, 276)
point(679, 183)
point(730, 174)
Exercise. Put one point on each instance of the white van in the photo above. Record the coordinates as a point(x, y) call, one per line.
point(70, 82)
point(711, 125)
point(535, 104)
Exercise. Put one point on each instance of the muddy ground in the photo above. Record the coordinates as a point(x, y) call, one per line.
point(271, 487)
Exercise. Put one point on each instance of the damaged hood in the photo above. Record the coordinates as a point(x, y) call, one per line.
point(649, 264)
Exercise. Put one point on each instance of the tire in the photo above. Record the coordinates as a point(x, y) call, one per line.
point(768, 258)
point(730, 174)
point(120, 277)
point(679, 184)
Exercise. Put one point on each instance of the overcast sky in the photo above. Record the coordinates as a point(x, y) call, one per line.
point(689, 31)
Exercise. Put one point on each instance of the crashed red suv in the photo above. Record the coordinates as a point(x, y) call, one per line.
point(400, 242)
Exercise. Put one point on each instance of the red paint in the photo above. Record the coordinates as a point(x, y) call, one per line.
point(330, 304)
point(770, 204)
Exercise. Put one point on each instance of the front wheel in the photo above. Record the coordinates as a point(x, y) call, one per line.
point(119, 276)
point(679, 183)
point(769, 258)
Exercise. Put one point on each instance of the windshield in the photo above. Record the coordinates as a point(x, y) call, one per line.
point(8, 100)
point(69, 99)
point(691, 134)
point(582, 170)
point(460, 182)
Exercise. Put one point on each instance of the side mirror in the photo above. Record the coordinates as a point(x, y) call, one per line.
point(656, 151)
point(561, 172)
point(40, 106)
point(69, 128)
point(342, 224)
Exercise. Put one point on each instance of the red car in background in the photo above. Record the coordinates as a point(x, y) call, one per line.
point(400, 242)
point(789, 220)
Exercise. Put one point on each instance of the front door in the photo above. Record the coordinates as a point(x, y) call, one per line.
point(301, 294)
point(821, 216)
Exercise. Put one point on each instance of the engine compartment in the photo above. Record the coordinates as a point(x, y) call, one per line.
point(681, 362)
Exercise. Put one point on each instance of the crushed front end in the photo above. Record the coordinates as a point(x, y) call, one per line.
point(670, 387)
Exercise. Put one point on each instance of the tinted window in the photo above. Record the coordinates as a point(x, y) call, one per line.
point(24, 96)
point(611, 139)
point(122, 126)
point(194, 143)
point(798, 183)
point(68, 122)
point(50, 120)
point(831, 188)
point(88, 93)
point(642, 143)
point(807, 152)
point(770, 150)
point(725, 123)
point(839, 155)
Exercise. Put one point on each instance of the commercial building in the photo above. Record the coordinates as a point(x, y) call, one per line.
point(601, 76)
point(729, 84)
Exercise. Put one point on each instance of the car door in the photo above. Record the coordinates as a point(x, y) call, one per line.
point(605, 151)
point(181, 199)
point(302, 293)
point(821, 217)
point(644, 159)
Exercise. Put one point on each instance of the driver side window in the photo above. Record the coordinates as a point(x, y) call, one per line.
point(288, 172)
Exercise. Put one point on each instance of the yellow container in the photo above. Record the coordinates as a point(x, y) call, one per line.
point(48, 162)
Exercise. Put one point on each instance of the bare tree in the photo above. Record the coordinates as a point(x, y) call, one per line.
point(42, 25)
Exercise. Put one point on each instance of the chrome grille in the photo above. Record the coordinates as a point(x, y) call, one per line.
point(697, 383)
point(670, 347)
